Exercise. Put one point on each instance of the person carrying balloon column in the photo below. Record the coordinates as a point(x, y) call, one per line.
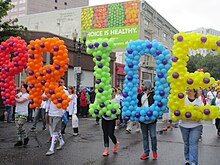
point(147, 127)
point(72, 108)
point(21, 113)
point(108, 128)
point(191, 130)
point(216, 102)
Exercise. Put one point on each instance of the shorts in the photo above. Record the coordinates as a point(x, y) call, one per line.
point(166, 116)
point(56, 123)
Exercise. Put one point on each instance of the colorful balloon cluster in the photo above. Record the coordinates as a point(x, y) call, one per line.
point(87, 15)
point(135, 50)
point(13, 55)
point(116, 15)
point(100, 16)
point(131, 13)
point(101, 50)
point(44, 78)
point(180, 78)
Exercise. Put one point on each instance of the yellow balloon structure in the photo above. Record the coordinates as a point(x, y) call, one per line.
point(180, 78)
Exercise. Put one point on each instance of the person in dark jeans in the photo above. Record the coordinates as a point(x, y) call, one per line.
point(30, 114)
point(38, 112)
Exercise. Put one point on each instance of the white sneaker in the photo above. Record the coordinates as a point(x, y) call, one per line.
point(49, 153)
point(60, 147)
point(75, 134)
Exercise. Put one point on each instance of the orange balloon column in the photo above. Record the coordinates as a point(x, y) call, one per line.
point(44, 78)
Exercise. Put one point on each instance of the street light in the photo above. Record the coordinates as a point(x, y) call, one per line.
point(78, 47)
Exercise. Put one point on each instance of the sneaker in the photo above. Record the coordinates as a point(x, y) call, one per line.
point(75, 134)
point(60, 147)
point(19, 143)
point(115, 148)
point(138, 130)
point(49, 153)
point(128, 131)
point(154, 155)
point(33, 129)
point(144, 156)
point(105, 153)
point(187, 163)
point(26, 140)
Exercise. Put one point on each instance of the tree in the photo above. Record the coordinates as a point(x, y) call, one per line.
point(10, 27)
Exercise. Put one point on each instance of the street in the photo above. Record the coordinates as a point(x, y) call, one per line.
point(87, 148)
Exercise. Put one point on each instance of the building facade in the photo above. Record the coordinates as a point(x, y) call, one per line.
point(26, 7)
point(201, 51)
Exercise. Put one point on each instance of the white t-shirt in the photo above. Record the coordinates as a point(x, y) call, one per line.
point(191, 123)
point(210, 96)
point(217, 102)
point(143, 102)
point(22, 108)
point(72, 107)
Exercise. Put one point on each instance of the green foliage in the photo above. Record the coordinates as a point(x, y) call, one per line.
point(209, 63)
point(10, 27)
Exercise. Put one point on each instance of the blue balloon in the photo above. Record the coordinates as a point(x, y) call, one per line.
point(142, 118)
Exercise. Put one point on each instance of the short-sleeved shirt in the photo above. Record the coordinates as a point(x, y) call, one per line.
point(22, 108)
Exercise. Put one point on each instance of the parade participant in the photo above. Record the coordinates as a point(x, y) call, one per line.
point(148, 126)
point(83, 104)
point(191, 130)
point(21, 113)
point(108, 128)
point(216, 102)
point(72, 108)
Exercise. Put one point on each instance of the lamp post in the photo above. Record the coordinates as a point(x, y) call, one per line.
point(78, 47)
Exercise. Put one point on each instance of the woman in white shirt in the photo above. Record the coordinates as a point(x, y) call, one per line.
point(21, 113)
point(216, 101)
point(191, 130)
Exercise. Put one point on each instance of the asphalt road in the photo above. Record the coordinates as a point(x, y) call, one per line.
point(87, 148)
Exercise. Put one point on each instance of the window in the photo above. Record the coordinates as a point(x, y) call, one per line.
point(65, 3)
point(55, 8)
point(164, 36)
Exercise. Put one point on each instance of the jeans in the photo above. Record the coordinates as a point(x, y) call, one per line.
point(37, 112)
point(151, 128)
point(9, 110)
point(191, 138)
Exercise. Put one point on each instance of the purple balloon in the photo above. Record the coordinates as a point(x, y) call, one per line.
point(159, 104)
point(3, 48)
point(130, 51)
point(16, 64)
point(127, 118)
point(100, 65)
point(48, 70)
point(25, 67)
point(59, 100)
point(137, 114)
point(31, 56)
point(16, 53)
point(102, 105)
point(98, 58)
point(3, 89)
point(177, 113)
point(11, 43)
point(31, 72)
point(129, 78)
point(149, 46)
point(41, 74)
point(174, 59)
point(160, 74)
point(203, 39)
point(3, 98)
point(42, 45)
point(2, 80)
point(113, 110)
point(181, 95)
point(162, 93)
point(125, 94)
point(180, 38)
point(55, 48)
point(158, 52)
point(175, 75)
point(51, 91)
point(57, 67)
point(31, 85)
point(96, 111)
point(206, 80)
point(100, 90)
point(130, 65)
point(206, 111)
point(190, 81)
point(104, 44)
point(90, 46)
point(43, 82)
point(149, 113)
point(188, 114)
point(7, 69)
point(32, 48)
point(164, 61)
point(218, 43)
point(31, 102)
point(96, 44)
point(97, 81)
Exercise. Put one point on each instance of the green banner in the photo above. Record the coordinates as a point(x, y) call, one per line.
point(121, 35)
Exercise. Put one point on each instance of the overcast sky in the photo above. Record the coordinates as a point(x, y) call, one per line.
point(184, 15)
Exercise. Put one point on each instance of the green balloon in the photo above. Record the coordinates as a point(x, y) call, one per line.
point(113, 116)
point(108, 113)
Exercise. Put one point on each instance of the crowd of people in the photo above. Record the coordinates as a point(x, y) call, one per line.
point(57, 119)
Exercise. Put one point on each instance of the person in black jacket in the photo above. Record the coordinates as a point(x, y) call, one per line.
point(146, 99)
